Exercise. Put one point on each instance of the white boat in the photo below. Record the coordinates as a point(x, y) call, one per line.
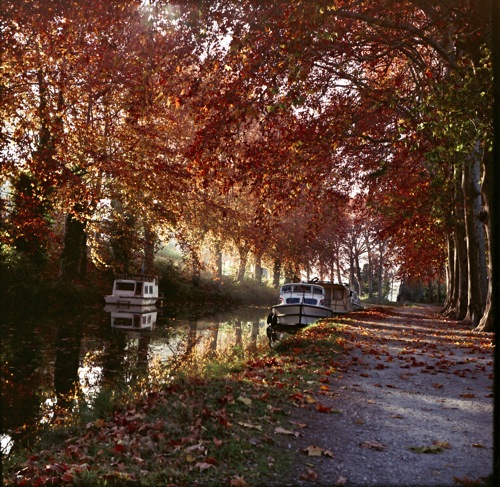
point(300, 304)
point(305, 303)
point(355, 301)
point(134, 290)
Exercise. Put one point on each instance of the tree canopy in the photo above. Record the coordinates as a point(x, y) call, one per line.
point(298, 133)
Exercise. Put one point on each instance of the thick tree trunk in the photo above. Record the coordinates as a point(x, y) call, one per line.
point(459, 292)
point(476, 251)
point(243, 255)
point(74, 254)
point(486, 322)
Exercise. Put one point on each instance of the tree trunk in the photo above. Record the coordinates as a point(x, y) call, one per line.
point(258, 267)
point(74, 254)
point(243, 254)
point(358, 273)
point(381, 273)
point(450, 275)
point(431, 291)
point(486, 322)
point(476, 252)
point(149, 250)
point(369, 272)
point(218, 260)
point(276, 274)
point(459, 291)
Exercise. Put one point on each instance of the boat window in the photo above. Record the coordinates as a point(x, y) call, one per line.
point(125, 286)
point(310, 301)
point(286, 289)
point(302, 289)
point(318, 290)
point(292, 300)
point(138, 288)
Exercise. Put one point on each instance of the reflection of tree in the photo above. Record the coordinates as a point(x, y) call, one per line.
point(142, 354)
point(191, 338)
point(214, 331)
point(255, 333)
point(68, 345)
point(21, 378)
point(113, 359)
point(239, 333)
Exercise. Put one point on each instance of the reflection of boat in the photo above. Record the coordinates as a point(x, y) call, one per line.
point(304, 303)
point(134, 290)
point(136, 318)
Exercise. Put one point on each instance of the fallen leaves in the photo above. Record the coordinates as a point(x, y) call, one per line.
point(437, 446)
point(238, 482)
point(316, 451)
point(373, 445)
point(282, 431)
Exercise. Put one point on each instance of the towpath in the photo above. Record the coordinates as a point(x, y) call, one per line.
point(412, 405)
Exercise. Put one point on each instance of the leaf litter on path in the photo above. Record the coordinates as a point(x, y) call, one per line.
point(387, 416)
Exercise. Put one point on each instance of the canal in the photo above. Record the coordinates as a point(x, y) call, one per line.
point(51, 362)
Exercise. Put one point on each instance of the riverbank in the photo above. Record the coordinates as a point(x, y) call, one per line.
point(377, 397)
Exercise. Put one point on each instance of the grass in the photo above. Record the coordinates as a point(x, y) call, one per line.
point(217, 421)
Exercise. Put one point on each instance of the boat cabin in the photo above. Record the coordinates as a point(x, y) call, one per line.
point(337, 297)
point(134, 289)
point(301, 293)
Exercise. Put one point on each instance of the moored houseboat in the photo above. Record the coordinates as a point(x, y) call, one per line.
point(134, 290)
point(304, 303)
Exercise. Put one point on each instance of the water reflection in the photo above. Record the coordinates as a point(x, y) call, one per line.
point(52, 362)
point(132, 318)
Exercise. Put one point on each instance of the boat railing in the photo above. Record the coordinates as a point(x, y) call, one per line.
point(138, 277)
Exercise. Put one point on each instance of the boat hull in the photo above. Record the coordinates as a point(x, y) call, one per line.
point(300, 313)
point(129, 301)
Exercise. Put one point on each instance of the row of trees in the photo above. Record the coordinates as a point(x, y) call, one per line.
point(301, 134)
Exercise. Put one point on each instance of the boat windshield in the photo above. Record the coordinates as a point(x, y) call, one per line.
point(125, 286)
point(302, 289)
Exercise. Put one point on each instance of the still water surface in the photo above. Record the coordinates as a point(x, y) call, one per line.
point(46, 359)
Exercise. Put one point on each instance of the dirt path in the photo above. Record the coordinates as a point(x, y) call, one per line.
point(414, 405)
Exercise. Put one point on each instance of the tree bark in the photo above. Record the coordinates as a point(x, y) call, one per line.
point(243, 255)
point(258, 267)
point(381, 273)
point(486, 323)
point(74, 254)
point(476, 251)
point(149, 250)
point(450, 275)
point(276, 274)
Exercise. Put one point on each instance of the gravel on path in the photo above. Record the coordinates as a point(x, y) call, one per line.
point(412, 405)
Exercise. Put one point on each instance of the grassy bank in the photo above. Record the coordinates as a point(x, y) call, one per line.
point(205, 420)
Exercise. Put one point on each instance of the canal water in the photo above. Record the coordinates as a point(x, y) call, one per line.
point(49, 360)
